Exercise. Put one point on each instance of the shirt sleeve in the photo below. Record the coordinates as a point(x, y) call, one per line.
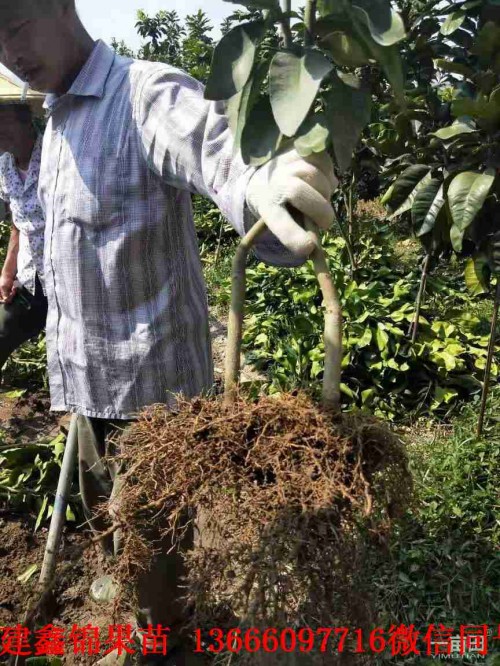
point(187, 142)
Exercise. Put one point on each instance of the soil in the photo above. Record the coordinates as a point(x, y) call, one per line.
point(28, 418)
point(70, 603)
point(24, 419)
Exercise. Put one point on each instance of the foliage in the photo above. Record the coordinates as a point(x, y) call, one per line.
point(187, 46)
point(382, 371)
point(444, 148)
point(28, 477)
point(444, 563)
point(331, 106)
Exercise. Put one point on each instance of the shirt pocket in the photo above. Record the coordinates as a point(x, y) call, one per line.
point(97, 191)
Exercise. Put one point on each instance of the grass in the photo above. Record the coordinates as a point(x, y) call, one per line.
point(444, 563)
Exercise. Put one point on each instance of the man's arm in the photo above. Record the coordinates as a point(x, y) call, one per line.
point(188, 143)
point(9, 270)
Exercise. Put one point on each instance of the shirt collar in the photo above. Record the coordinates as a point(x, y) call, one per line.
point(91, 80)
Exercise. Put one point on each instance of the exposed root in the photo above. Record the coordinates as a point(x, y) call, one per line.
point(285, 496)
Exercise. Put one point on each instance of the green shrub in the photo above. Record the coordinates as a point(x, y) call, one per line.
point(382, 371)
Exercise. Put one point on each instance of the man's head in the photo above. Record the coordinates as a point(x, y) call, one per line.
point(38, 39)
point(16, 129)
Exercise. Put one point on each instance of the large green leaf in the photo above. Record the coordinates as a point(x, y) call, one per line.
point(426, 206)
point(466, 196)
point(452, 23)
point(261, 136)
point(233, 60)
point(487, 43)
point(313, 137)
point(458, 127)
point(345, 49)
point(294, 81)
point(482, 107)
point(388, 57)
point(438, 238)
point(348, 110)
point(477, 275)
point(240, 105)
point(405, 185)
point(385, 25)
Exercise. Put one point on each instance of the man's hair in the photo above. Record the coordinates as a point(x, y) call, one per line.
point(19, 9)
point(22, 112)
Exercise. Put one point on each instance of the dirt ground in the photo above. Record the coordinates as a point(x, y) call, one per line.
point(24, 420)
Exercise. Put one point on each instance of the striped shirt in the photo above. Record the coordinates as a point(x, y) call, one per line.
point(124, 148)
point(27, 215)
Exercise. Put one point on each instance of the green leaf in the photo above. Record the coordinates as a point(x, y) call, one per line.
point(443, 395)
point(454, 68)
point(487, 43)
point(381, 337)
point(13, 395)
point(406, 188)
point(388, 195)
point(426, 206)
point(233, 60)
point(240, 105)
point(452, 23)
point(385, 25)
point(450, 132)
point(457, 238)
point(41, 513)
point(477, 275)
point(481, 107)
point(313, 137)
point(346, 390)
point(388, 57)
point(346, 51)
point(348, 111)
point(294, 82)
point(261, 136)
point(366, 338)
point(29, 573)
point(466, 195)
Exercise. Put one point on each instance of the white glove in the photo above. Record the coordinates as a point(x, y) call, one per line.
point(306, 184)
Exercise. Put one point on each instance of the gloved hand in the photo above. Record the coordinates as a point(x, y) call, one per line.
point(289, 180)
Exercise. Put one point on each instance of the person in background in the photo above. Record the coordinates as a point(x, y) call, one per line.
point(23, 305)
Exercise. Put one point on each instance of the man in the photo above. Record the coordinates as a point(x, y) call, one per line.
point(126, 144)
point(23, 305)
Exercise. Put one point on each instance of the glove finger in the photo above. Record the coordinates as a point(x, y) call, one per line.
point(287, 230)
point(310, 202)
point(313, 176)
point(323, 162)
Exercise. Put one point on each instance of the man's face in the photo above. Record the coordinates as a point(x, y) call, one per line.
point(14, 129)
point(33, 46)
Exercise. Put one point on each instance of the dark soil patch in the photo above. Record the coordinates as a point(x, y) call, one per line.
point(71, 603)
point(28, 417)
